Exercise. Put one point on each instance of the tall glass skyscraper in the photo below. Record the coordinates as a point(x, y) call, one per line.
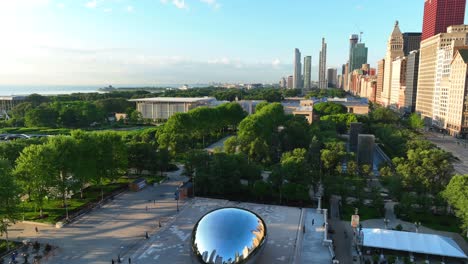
point(297, 80)
point(323, 84)
point(358, 56)
point(307, 71)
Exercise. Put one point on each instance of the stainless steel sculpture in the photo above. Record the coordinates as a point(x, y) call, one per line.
point(228, 235)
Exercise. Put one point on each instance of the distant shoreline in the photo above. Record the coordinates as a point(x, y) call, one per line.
point(24, 90)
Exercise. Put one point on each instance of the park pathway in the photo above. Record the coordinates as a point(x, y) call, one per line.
point(115, 228)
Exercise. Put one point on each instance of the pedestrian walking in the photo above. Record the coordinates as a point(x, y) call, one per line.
point(313, 221)
point(37, 230)
point(129, 261)
point(154, 202)
point(146, 235)
point(118, 259)
point(113, 262)
point(146, 208)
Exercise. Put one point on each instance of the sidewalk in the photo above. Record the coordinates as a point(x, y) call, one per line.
point(313, 250)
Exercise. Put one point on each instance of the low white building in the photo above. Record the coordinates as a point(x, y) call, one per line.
point(162, 108)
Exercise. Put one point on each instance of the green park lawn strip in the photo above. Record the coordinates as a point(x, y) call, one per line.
point(446, 223)
point(54, 211)
point(365, 212)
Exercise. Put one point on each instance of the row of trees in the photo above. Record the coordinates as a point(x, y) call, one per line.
point(188, 130)
point(78, 112)
point(326, 93)
point(268, 94)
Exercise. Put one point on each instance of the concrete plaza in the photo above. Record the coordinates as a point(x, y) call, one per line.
point(286, 241)
point(118, 228)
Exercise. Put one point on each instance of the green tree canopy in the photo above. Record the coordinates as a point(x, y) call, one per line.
point(456, 194)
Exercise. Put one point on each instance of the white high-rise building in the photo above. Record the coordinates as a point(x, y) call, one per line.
point(398, 81)
point(431, 99)
point(323, 84)
point(394, 50)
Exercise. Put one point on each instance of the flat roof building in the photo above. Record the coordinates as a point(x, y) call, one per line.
point(162, 108)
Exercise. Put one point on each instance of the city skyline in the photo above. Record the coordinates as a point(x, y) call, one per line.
point(199, 44)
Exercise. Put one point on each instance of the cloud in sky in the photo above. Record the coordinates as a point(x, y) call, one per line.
point(130, 9)
point(177, 3)
point(91, 4)
point(212, 3)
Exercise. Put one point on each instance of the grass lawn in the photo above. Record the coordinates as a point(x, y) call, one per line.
point(437, 222)
point(54, 211)
point(365, 212)
point(3, 246)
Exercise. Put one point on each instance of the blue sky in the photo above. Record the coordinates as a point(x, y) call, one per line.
point(122, 42)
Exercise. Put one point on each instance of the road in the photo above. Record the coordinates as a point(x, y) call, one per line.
point(342, 233)
point(115, 228)
point(456, 146)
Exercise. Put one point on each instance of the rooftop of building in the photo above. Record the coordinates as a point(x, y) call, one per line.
point(464, 54)
point(173, 99)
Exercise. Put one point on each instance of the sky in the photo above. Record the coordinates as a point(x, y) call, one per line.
point(150, 42)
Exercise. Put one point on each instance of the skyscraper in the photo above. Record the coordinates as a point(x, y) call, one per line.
point(440, 14)
point(353, 40)
point(290, 82)
point(297, 80)
point(394, 50)
point(412, 69)
point(428, 95)
point(307, 71)
point(411, 41)
point(380, 80)
point(358, 56)
point(332, 77)
point(323, 84)
point(283, 83)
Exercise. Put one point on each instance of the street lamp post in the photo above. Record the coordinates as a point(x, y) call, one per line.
point(177, 194)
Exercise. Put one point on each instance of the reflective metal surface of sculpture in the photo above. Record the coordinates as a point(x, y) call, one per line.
point(228, 235)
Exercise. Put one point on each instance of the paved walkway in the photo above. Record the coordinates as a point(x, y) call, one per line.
point(313, 250)
point(342, 233)
point(113, 229)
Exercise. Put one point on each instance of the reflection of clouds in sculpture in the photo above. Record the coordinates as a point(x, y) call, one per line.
point(228, 235)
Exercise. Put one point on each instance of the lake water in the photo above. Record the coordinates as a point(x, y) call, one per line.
point(6, 90)
point(45, 90)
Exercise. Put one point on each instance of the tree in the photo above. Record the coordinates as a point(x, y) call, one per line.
point(425, 170)
point(295, 168)
point(64, 154)
point(332, 155)
point(176, 132)
point(35, 172)
point(456, 194)
point(261, 189)
point(42, 116)
point(111, 158)
point(329, 108)
point(384, 115)
point(415, 122)
point(86, 166)
point(8, 199)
